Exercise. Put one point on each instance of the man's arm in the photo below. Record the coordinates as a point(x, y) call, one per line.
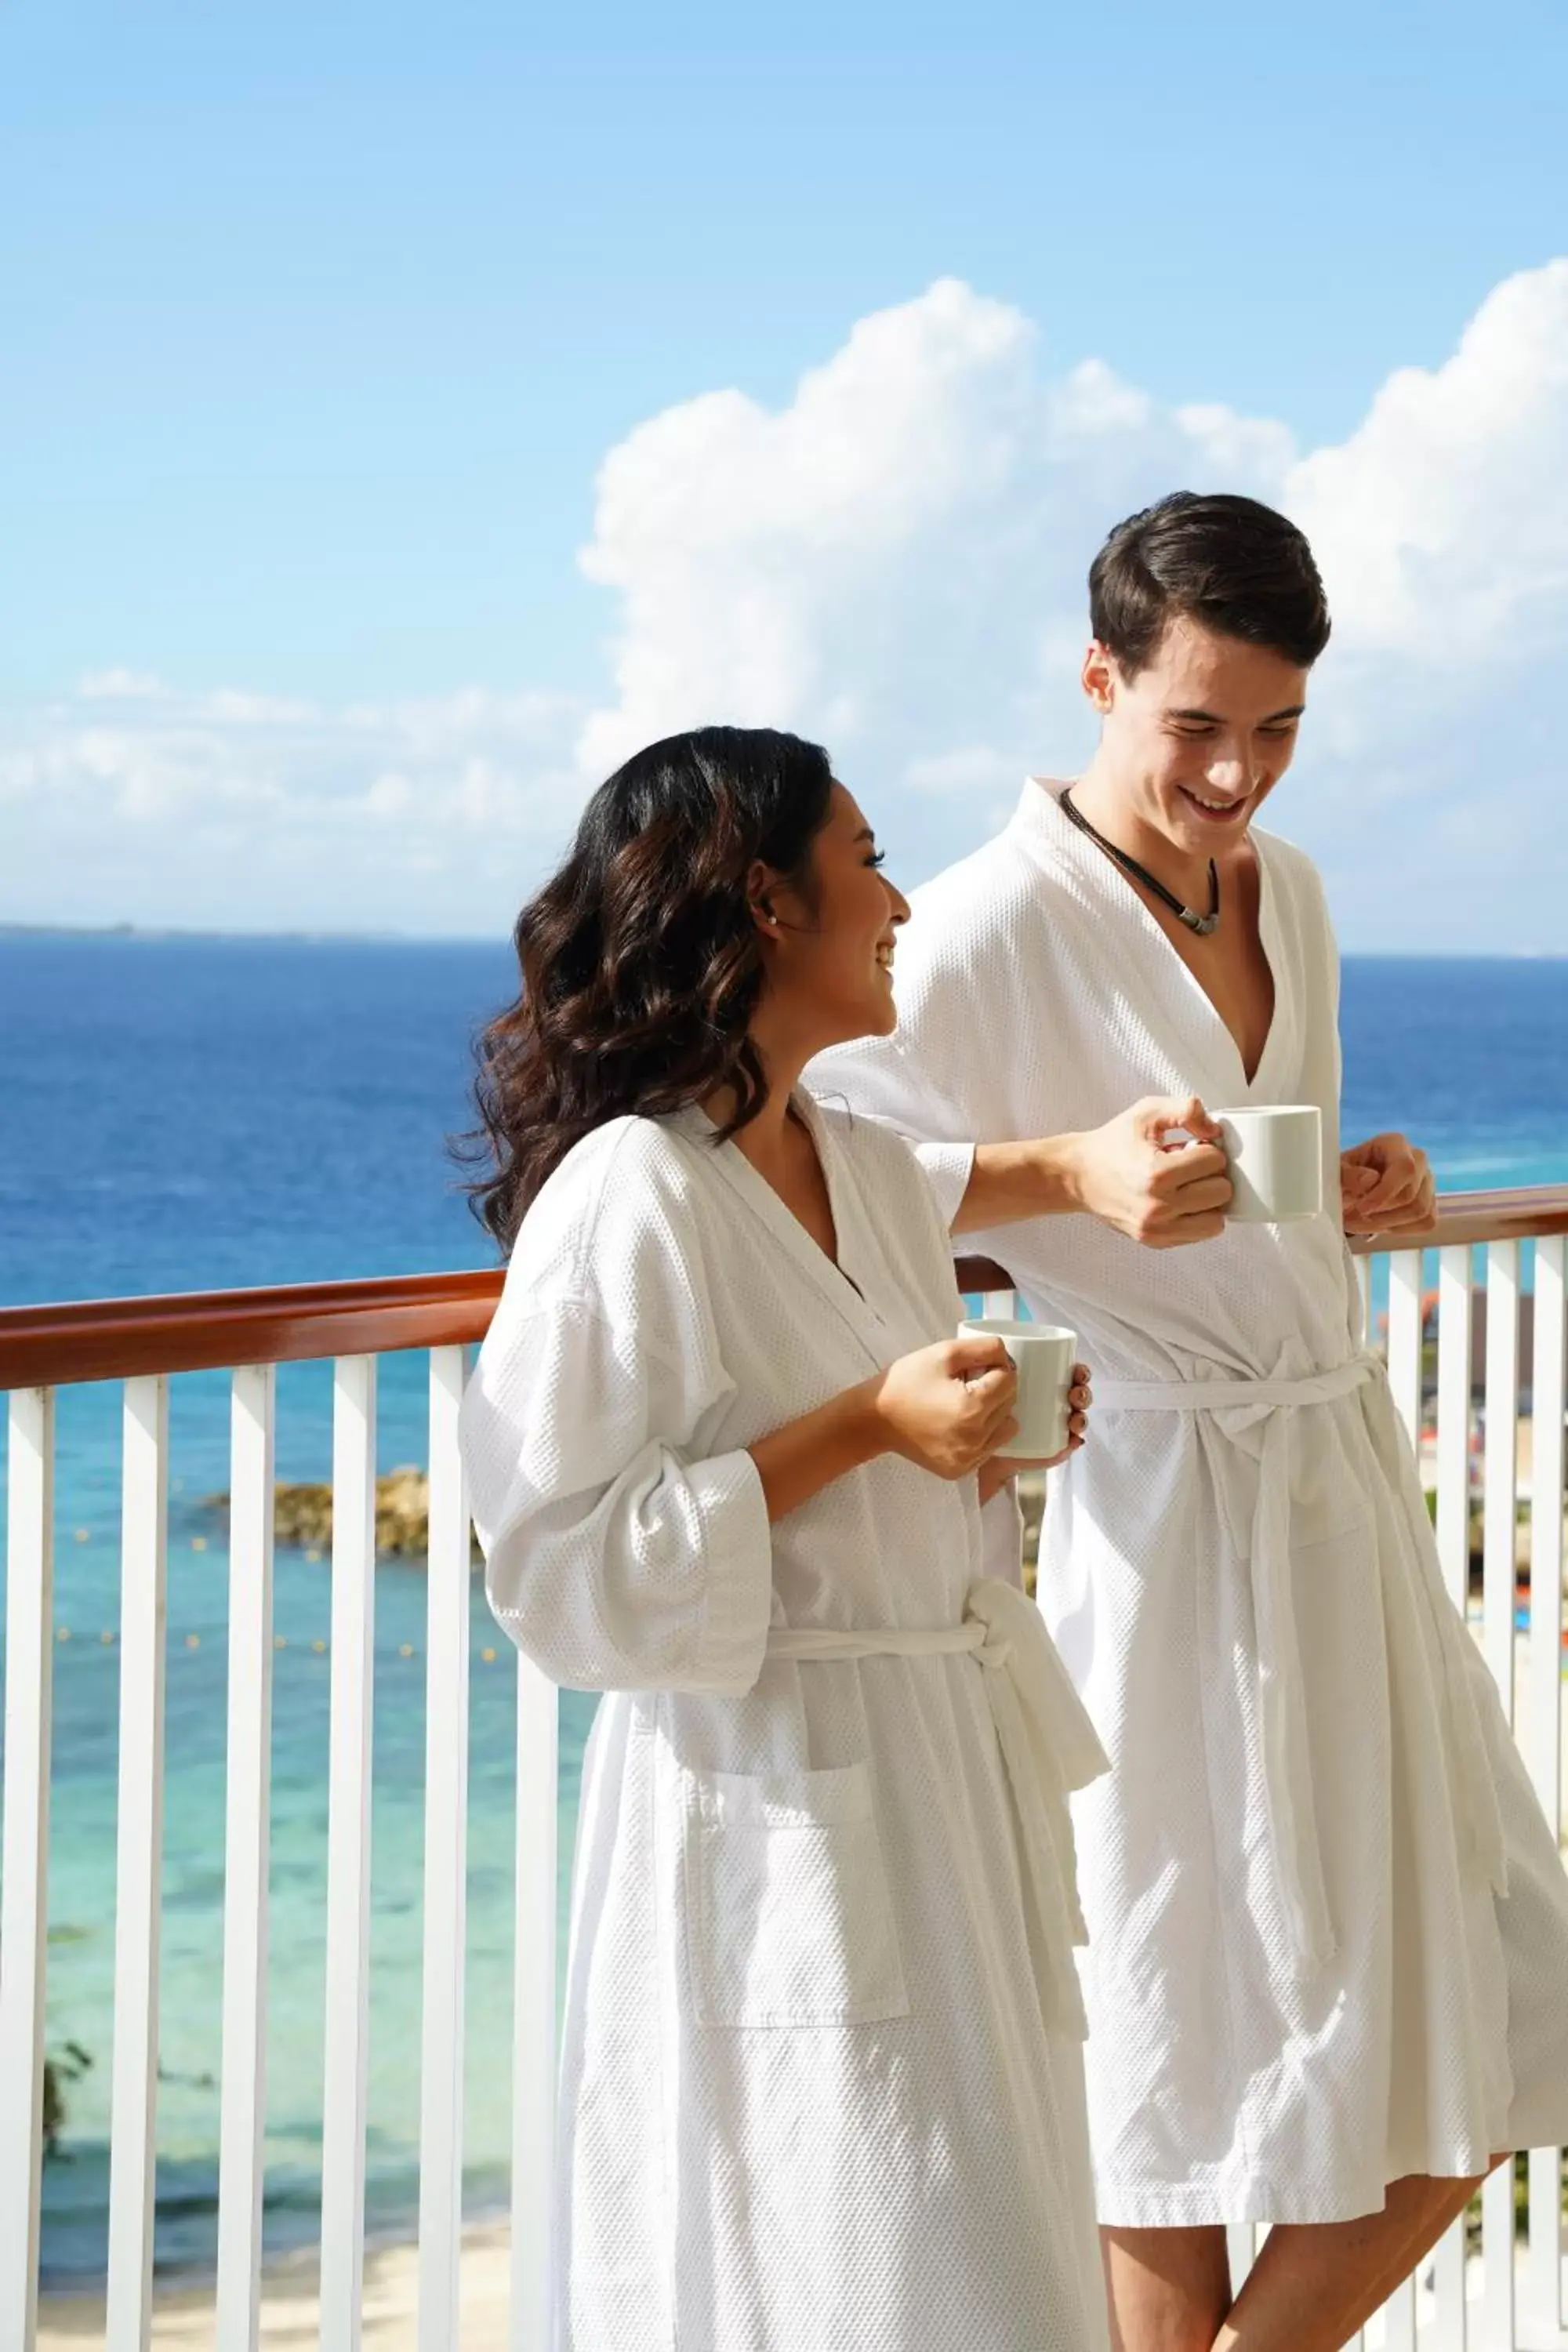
point(928, 1084)
point(1126, 1172)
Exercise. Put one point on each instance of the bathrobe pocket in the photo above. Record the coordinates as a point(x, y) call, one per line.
point(789, 1920)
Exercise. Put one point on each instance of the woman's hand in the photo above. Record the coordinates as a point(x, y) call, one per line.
point(1002, 1469)
point(948, 1408)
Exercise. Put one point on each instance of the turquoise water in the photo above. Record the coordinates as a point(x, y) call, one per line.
point(82, 1866)
point(188, 1114)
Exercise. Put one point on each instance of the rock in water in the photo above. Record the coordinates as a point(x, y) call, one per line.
point(302, 1514)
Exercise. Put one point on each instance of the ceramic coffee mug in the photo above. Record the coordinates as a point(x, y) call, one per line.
point(1043, 1355)
point(1276, 1157)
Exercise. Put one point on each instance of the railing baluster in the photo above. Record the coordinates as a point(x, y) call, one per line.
point(1404, 1339)
point(1452, 2331)
point(1454, 1318)
point(533, 2010)
point(24, 1914)
point(1499, 1582)
point(348, 1852)
point(1399, 2318)
point(244, 1909)
point(1500, 1498)
point(139, 1863)
point(1497, 2322)
point(1542, 1728)
point(445, 1863)
point(1455, 1312)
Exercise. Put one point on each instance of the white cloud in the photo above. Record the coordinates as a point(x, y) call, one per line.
point(1444, 519)
point(893, 562)
point(252, 811)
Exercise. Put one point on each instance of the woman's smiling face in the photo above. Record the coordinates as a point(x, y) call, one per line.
point(832, 961)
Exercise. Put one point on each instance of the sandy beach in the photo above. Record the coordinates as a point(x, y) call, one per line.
point(291, 2307)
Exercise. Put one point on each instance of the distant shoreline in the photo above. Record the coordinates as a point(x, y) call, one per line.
point(154, 933)
point(157, 933)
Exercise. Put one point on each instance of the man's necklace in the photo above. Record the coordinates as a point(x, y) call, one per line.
point(1202, 924)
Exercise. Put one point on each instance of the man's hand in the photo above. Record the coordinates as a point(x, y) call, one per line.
point(1163, 1194)
point(1386, 1187)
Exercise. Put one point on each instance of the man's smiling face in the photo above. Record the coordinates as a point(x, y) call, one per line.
point(1198, 739)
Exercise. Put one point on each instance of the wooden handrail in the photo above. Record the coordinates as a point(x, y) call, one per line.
point(1527, 1212)
point(192, 1331)
point(115, 1339)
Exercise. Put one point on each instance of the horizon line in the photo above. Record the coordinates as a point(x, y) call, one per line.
point(314, 938)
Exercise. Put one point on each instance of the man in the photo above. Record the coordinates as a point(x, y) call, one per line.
point(1327, 1979)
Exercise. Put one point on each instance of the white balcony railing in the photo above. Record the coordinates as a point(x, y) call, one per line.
point(1509, 2299)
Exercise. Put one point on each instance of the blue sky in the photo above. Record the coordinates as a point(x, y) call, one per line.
point(323, 322)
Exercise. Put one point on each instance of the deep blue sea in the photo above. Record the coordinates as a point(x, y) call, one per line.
point(192, 1114)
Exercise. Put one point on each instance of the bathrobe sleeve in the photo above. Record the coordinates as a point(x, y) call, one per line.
point(622, 1552)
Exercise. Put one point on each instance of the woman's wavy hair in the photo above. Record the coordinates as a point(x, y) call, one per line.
point(640, 963)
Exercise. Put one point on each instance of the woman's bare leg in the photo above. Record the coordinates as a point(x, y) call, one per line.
point(1168, 2289)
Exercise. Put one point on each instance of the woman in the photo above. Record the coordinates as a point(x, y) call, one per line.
point(822, 2082)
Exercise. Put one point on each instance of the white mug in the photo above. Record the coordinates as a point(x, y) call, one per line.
point(1276, 1156)
point(1043, 1355)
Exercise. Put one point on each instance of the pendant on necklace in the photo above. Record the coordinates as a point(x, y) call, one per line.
point(1204, 925)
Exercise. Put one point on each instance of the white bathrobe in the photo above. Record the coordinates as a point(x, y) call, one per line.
point(1328, 1924)
point(822, 2075)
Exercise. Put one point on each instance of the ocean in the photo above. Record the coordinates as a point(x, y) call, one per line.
point(181, 1114)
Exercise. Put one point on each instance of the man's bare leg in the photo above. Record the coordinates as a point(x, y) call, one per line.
point(1447, 2210)
point(1169, 2290)
point(1314, 2283)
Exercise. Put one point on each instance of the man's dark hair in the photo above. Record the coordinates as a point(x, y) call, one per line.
point(1230, 564)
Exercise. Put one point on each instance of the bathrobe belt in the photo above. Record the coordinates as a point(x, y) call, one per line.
point(1256, 1415)
point(1048, 1744)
